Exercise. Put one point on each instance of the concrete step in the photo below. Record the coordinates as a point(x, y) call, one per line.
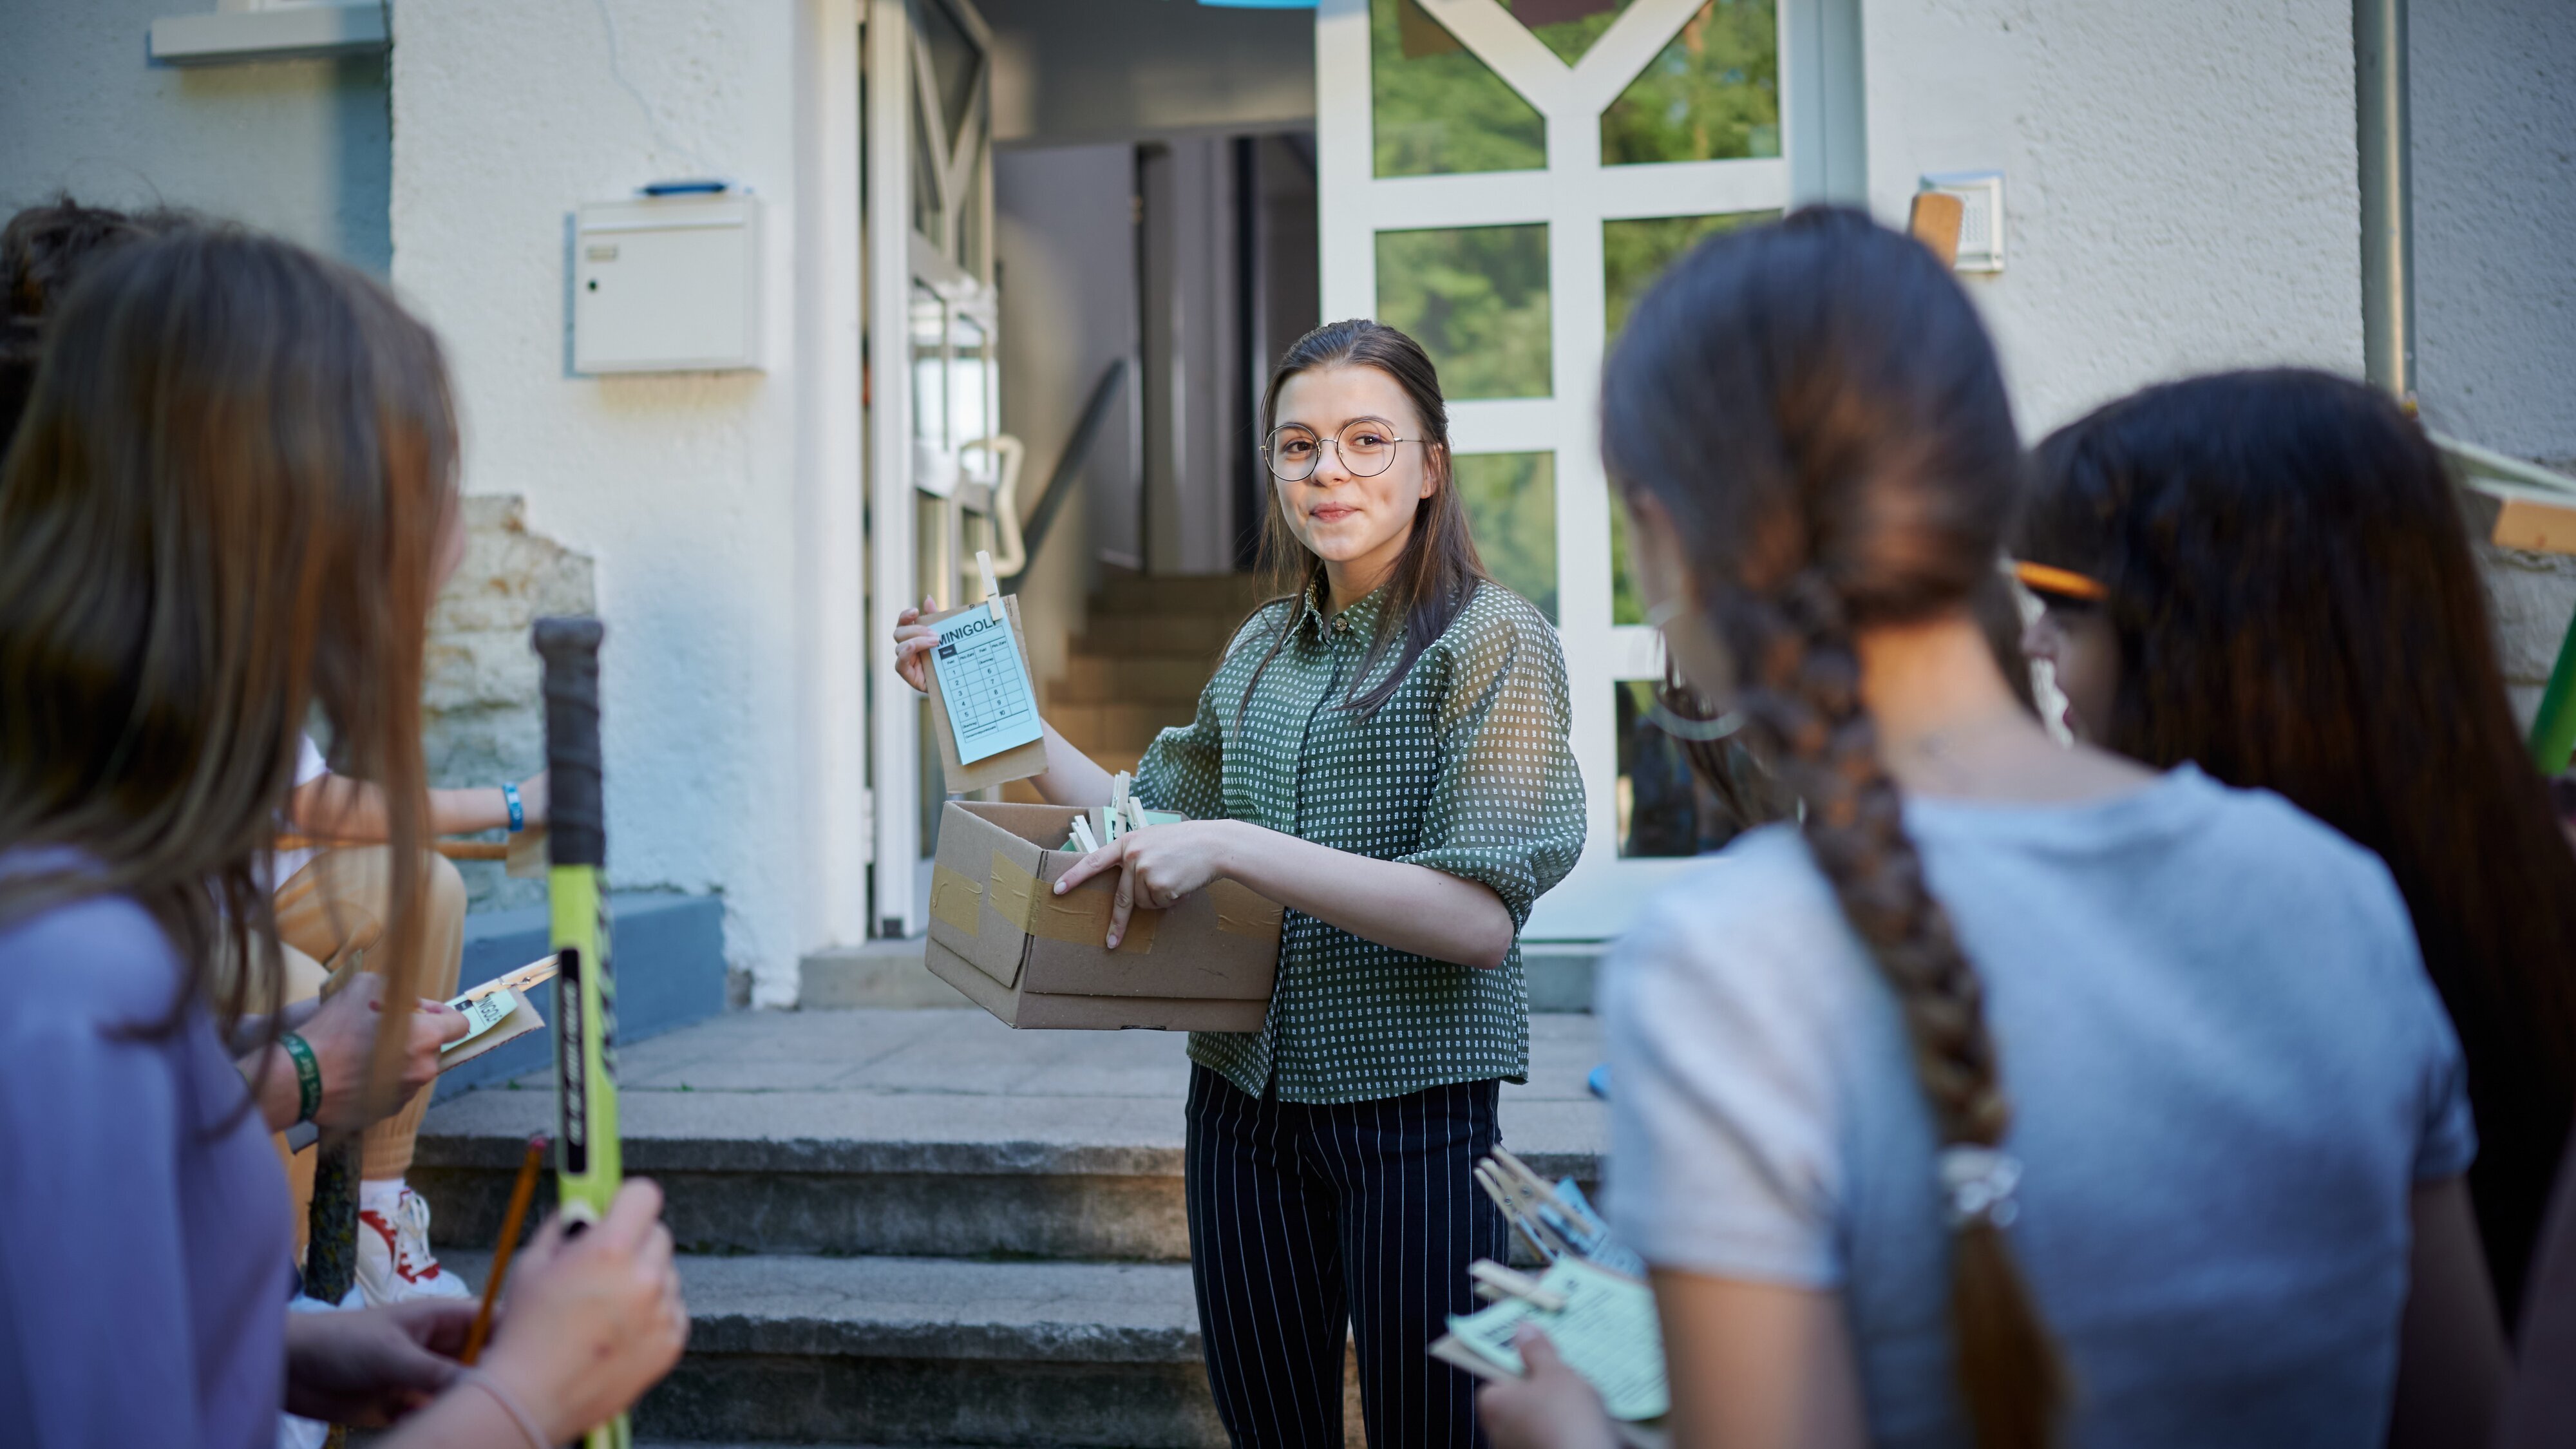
point(920, 1133)
point(1141, 678)
point(932, 1351)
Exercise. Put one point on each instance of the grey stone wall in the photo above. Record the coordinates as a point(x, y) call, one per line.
point(480, 718)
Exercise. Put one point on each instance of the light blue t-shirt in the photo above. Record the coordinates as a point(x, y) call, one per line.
point(2227, 1070)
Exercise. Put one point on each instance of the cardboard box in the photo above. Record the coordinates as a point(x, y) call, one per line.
point(1000, 934)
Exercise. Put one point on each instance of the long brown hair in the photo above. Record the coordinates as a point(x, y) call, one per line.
point(1439, 568)
point(1816, 407)
point(2297, 610)
point(222, 508)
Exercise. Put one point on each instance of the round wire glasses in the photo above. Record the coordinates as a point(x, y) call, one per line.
point(1367, 448)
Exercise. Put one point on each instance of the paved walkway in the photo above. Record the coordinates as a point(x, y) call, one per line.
point(885, 1081)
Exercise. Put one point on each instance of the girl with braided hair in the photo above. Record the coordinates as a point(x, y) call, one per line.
point(2014, 1094)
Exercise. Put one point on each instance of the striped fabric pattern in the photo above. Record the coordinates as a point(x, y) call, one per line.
point(1306, 1218)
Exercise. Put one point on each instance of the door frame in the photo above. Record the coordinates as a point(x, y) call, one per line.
point(900, 94)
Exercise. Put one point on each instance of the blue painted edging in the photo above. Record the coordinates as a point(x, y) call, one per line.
point(669, 954)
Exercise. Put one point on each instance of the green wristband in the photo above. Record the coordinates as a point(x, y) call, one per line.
point(308, 1076)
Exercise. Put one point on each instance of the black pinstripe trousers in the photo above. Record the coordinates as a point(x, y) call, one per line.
point(1306, 1218)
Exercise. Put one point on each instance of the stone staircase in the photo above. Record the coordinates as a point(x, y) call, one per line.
point(1147, 650)
point(917, 1227)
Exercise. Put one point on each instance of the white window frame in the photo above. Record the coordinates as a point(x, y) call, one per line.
point(902, 91)
point(1574, 196)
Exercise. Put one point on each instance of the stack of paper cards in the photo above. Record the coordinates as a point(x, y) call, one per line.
point(1601, 1323)
point(497, 1012)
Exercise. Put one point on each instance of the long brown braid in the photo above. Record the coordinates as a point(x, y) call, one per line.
point(1816, 407)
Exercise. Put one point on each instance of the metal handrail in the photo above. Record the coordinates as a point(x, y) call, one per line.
point(1068, 465)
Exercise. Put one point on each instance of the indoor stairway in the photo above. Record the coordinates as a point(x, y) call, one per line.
point(1150, 644)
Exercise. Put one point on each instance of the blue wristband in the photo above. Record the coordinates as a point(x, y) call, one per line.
point(518, 812)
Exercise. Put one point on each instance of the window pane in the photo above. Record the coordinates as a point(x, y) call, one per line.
point(969, 410)
point(1436, 108)
point(929, 369)
point(1511, 507)
point(1712, 95)
point(1567, 27)
point(1625, 605)
point(1635, 253)
point(1664, 808)
point(1476, 299)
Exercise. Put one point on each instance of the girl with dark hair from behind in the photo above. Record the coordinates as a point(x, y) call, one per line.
point(2288, 600)
point(230, 501)
point(2015, 1095)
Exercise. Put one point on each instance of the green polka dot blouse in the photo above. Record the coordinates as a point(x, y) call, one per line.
point(1464, 769)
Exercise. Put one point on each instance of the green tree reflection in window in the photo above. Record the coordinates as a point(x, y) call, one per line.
point(1475, 297)
point(1626, 605)
point(1510, 500)
point(1435, 108)
point(1634, 253)
point(1567, 27)
point(1713, 94)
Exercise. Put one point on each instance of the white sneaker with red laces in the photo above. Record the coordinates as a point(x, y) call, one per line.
point(394, 1261)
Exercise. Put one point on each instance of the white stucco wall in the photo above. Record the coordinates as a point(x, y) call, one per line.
point(2181, 188)
point(295, 147)
point(685, 489)
point(2494, 89)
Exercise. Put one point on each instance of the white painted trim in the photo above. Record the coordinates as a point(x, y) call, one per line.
point(1509, 49)
point(893, 719)
point(831, 466)
point(1504, 425)
point(1345, 219)
point(1639, 35)
point(1690, 188)
point(233, 37)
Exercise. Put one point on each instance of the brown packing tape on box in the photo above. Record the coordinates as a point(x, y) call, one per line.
point(1036, 956)
point(1080, 915)
point(1017, 763)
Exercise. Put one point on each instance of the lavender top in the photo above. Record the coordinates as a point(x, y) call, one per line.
point(144, 1239)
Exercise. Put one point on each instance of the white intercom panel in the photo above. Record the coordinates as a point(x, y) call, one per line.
point(667, 284)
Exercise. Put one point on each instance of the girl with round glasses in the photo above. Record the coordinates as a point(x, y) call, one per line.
point(1383, 750)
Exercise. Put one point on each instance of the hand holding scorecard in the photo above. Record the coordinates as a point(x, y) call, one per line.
point(982, 705)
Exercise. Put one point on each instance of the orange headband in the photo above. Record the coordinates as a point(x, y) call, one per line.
point(2063, 582)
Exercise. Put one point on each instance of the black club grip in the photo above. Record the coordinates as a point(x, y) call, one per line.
point(577, 825)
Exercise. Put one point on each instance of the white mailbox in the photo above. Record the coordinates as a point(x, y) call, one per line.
point(667, 284)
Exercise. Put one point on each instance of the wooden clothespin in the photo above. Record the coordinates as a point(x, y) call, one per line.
point(992, 588)
point(1082, 835)
point(1495, 1282)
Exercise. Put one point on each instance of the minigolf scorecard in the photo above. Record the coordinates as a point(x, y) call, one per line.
point(987, 711)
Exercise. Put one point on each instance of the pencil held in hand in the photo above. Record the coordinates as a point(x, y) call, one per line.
point(521, 1193)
